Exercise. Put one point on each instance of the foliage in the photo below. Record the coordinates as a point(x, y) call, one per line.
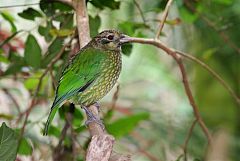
point(152, 109)
point(8, 142)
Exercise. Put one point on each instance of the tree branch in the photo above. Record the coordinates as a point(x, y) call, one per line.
point(164, 17)
point(188, 91)
point(213, 73)
point(188, 138)
point(140, 11)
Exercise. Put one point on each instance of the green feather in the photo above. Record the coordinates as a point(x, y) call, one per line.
point(76, 77)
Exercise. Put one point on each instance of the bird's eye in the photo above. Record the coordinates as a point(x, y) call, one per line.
point(110, 37)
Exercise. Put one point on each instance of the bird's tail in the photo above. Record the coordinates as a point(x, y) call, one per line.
point(50, 118)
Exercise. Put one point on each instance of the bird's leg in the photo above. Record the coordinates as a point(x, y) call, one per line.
point(92, 118)
point(97, 105)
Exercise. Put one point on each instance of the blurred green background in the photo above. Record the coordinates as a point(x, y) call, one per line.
point(152, 116)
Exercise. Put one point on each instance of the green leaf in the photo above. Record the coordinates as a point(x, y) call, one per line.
point(31, 83)
point(6, 117)
point(32, 53)
point(25, 148)
point(77, 115)
point(52, 7)
point(14, 68)
point(10, 19)
point(94, 25)
point(77, 118)
point(187, 16)
point(61, 32)
point(127, 49)
point(45, 31)
point(30, 14)
point(54, 131)
point(112, 4)
point(124, 125)
point(8, 143)
point(3, 59)
point(53, 50)
point(67, 21)
point(223, 2)
point(130, 28)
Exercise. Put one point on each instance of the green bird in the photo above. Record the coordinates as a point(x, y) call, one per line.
point(91, 74)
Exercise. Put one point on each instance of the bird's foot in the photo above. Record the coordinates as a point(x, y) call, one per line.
point(97, 105)
point(92, 118)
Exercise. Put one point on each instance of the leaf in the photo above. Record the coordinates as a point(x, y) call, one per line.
point(112, 4)
point(223, 2)
point(8, 143)
point(6, 117)
point(44, 31)
point(53, 50)
point(127, 49)
point(67, 21)
point(77, 115)
point(54, 131)
point(14, 68)
point(50, 8)
point(3, 59)
point(31, 83)
point(124, 125)
point(32, 53)
point(130, 27)
point(94, 25)
point(25, 148)
point(30, 14)
point(77, 118)
point(10, 19)
point(61, 32)
point(187, 16)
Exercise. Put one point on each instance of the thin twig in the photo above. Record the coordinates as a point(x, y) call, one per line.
point(140, 11)
point(164, 17)
point(188, 91)
point(213, 73)
point(19, 5)
point(115, 97)
point(188, 138)
point(5, 90)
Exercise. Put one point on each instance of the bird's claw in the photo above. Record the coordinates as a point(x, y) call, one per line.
point(97, 105)
point(98, 121)
point(92, 118)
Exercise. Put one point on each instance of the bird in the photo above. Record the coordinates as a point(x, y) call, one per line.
point(90, 74)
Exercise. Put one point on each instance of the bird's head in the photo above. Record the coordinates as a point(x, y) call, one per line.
point(110, 40)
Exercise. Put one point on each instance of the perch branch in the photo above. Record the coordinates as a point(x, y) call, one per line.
point(188, 91)
point(164, 17)
point(213, 73)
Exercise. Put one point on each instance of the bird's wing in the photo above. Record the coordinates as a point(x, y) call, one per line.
point(76, 77)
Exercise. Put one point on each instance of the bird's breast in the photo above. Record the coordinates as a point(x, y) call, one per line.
point(110, 71)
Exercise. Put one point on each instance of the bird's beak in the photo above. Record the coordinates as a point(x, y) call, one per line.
point(124, 39)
